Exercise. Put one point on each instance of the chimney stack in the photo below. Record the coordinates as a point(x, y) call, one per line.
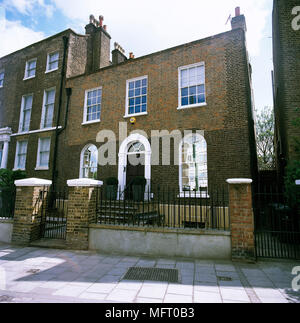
point(239, 21)
point(118, 54)
point(131, 56)
point(98, 44)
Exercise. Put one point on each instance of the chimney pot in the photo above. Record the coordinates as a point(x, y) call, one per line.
point(131, 56)
point(101, 18)
point(105, 27)
point(237, 11)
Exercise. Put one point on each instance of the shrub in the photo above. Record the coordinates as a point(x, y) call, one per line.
point(8, 177)
point(292, 174)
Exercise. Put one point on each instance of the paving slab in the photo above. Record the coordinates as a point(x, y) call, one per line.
point(36, 275)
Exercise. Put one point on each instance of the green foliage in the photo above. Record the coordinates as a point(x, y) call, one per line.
point(291, 189)
point(265, 139)
point(8, 177)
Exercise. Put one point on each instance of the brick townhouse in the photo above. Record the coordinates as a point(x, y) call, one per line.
point(52, 116)
point(286, 49)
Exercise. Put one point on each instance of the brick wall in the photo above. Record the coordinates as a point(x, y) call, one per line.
point(225, 119)
point(286, 48)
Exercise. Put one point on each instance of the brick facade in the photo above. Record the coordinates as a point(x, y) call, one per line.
point(286, 48)
point(241, 220)
point(226, 118)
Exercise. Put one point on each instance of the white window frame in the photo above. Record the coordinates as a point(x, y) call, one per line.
point(2, 79)
point(22, 113)
point(17, 154)
point(82, 159)
point(85, 122)
point(190, 193)
point(26, 69)
point(48, 61)
point(44, 108)
point(38, 160)
point(127, 114)
point(182, 107)
point(1, 151)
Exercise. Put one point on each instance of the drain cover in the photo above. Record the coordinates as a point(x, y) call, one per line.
point(152, 274)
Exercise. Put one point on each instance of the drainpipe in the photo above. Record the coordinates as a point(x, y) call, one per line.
point(54, 172)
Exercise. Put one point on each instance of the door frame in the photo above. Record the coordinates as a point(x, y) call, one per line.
point(123, 152)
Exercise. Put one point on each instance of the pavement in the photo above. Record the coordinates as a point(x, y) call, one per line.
point(38, 275)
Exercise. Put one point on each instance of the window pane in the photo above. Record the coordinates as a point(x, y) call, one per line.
point(137, 94)
point(185, 91)
point(185, 101)
point(193, 90)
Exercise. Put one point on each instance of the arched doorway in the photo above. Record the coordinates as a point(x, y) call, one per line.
point(134, 160)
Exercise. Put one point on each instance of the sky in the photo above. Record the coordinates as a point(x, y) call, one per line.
point(144, 27)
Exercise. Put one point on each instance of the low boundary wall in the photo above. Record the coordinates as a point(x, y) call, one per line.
point(159, 242)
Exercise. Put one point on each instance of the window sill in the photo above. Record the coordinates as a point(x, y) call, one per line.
point(35, 131)
point(90, 122)
point(22, 169)
point(49, 71)
point(28, 78)
point(135, 115)
point(192, 106)
point(41, 168)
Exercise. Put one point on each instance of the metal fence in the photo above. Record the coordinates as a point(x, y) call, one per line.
point(277, 223)
point(7, 202)
point(160, 206)
point(54, 214)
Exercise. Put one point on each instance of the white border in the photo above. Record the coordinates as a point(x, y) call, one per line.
point(32, 182)
point(184, 193)
point(127, 115)
point(43, 107)
point(2, 71)
point(55, 69)
point(81, 158)
point(22, 110)
point(26, 66)
point(16, 155)
point(123, 152)
point(35, 131)
point(38, 155)
point(196, 105)
point(84, 122)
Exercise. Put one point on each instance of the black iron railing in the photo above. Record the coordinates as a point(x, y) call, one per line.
point(277, 223)
point(159, 206)
point(54, 214)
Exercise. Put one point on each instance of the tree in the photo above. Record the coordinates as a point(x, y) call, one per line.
point(265, 138)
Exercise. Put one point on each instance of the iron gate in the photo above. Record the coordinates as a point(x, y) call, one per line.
point(54, 215)
point(277, 224)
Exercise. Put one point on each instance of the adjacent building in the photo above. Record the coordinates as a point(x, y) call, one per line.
point(68, 106)
point(286, 49)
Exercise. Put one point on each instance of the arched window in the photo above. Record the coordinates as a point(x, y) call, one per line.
point(193, 163)
point(89, 162)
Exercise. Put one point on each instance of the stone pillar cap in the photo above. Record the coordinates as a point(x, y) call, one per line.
point(239, 181)
point(84, 182)
point(33, 182)
point(298, 182)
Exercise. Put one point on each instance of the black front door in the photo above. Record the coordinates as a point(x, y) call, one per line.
point(133, 171)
